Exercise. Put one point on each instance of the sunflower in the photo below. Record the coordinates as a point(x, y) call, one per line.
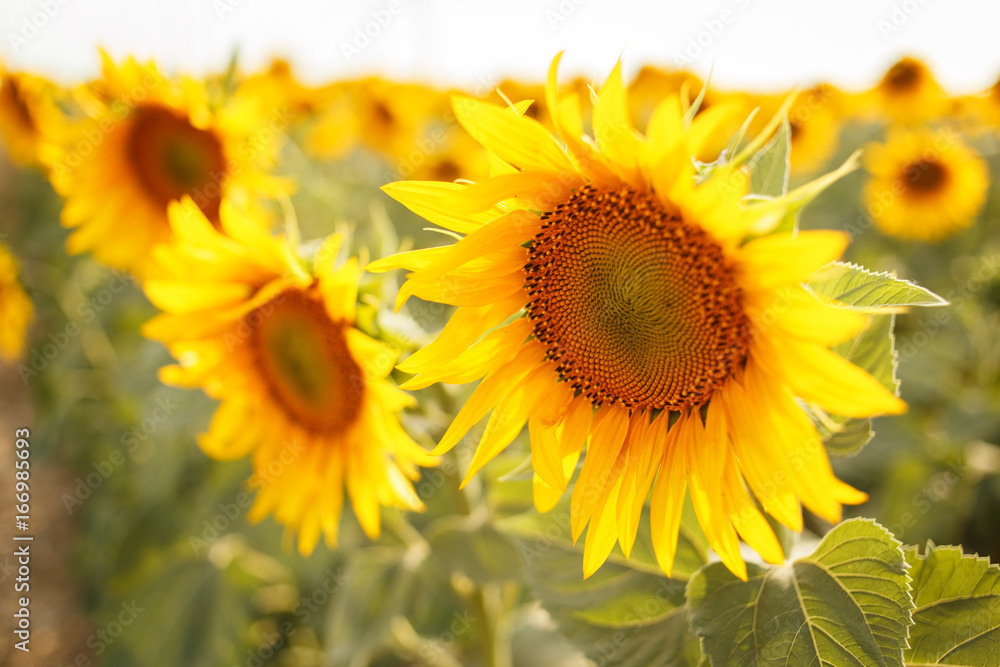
point(27, 114)
point(983, 108)
point(378, 114)
point(652, 84)
point(925, 184)
point(843, 104)
point(146, 141)
point(620, 302)
point(908, 93)
point(279, 84)
point(443, 152)
point(15, 308)
point(512, 89)
point(302, 389)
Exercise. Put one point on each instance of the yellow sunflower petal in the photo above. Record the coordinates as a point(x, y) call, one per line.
point(784, 259)
point(519, 140)
point(822, 377)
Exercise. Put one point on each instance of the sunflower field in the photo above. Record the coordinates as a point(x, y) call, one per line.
point(634, 370)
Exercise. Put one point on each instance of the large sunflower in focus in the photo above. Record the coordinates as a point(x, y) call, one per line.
point(302, 389)
point(621, 303)
point(925, 184)
point(15, 308)
point(145, 142)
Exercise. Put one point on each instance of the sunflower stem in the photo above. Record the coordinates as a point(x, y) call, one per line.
point(487, 601)
point(291, 221)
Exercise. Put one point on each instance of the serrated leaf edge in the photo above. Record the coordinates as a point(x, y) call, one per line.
point(880, 310)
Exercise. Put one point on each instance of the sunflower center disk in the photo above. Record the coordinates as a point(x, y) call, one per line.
point(635, 306)
point(173, 158)
point(15, 100)
point(304, 359)
point(926, 176)
point(903, 76)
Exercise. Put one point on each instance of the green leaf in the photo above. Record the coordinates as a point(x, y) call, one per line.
point(769, 168)
point(477, 549)
point(696, 105)
point(182, 613)
point(858, 288)
point(379, 584)
point(846, 604)
point(874, 351)
point(628, 613)
point(784, 211)
point(957, 615)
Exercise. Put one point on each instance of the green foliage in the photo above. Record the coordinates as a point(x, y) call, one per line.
point(873, 349)
point(957, 614)
point(475, 548)
point(165, 532)
point(628, 613)
point(189, 612)
point(770, 167)
point(380, 584)
point(858, 288)
point(848, 603)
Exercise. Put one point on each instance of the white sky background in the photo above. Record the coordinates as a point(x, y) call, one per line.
point(766, 44)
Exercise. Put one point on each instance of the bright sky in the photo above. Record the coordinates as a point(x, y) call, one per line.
point(753, 44)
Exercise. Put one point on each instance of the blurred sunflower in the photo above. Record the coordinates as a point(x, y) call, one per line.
point(145, 142)
point(381, 115)
point(607, 295)
point(814, 132)
point(843, 104)
point(15, 308)
point(984, 107)
point(443, 153)
point(302, 389)
point(908, 94)
point(511, 89)
point(28, 114)
point(652, 84)
point(813, 125)
point(925, 184)
point(279, 84)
